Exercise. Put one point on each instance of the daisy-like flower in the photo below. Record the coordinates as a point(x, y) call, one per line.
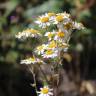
point(40, 49)
point(50, 53)
point(45, 91)
point(43, 21)
point(61, 18)
point(59, 35)
point(78, 26)
point(58, 19)
point(50, 35)
point(28, 33)
point(68, 26)
point(31, 60)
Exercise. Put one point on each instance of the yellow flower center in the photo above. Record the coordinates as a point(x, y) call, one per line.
point(51, 14)
point(44, 19)
point(50, 35)
point(32, 59)
point(60, 34)
point(52, 44)
point(59, 18)
point(49, 52)
point(68, 26)
point(45, 91)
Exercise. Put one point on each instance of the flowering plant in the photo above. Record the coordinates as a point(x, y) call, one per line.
point(58, 28)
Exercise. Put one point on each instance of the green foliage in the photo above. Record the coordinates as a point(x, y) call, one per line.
point(11, 56)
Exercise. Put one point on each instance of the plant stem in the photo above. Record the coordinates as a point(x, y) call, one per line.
point(43, 73)
point(31, 70)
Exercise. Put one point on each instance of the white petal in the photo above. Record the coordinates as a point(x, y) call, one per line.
point(41, 95)
point(50, 93)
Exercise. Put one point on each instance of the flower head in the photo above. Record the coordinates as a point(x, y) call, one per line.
point(31, 60)
point(45, 91)
point(40, 49)
point(50, 35)
point(78, 26)
point(28, 33)
point(59, 35)
point(43, 21)
point(50, 53)
point(58, 19)
point(68, 26)
point(61, 18)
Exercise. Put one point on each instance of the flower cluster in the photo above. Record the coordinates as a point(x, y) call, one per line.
point(58, 29)
point(62, 20)
point(59, 37)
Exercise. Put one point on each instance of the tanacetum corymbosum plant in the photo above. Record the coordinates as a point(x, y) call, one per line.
point(58, 28)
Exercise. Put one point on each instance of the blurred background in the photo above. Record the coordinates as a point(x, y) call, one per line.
point(79, 62)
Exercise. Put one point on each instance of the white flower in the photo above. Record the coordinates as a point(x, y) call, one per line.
point(61, 18)
point(58, 19)
point(40, 49)
point(59, 35)
point(31, 60)
point(50, 35)
point(78, 26)
point(50, 53)
point(45, 91)
point(43, 21)
point(28, 33)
